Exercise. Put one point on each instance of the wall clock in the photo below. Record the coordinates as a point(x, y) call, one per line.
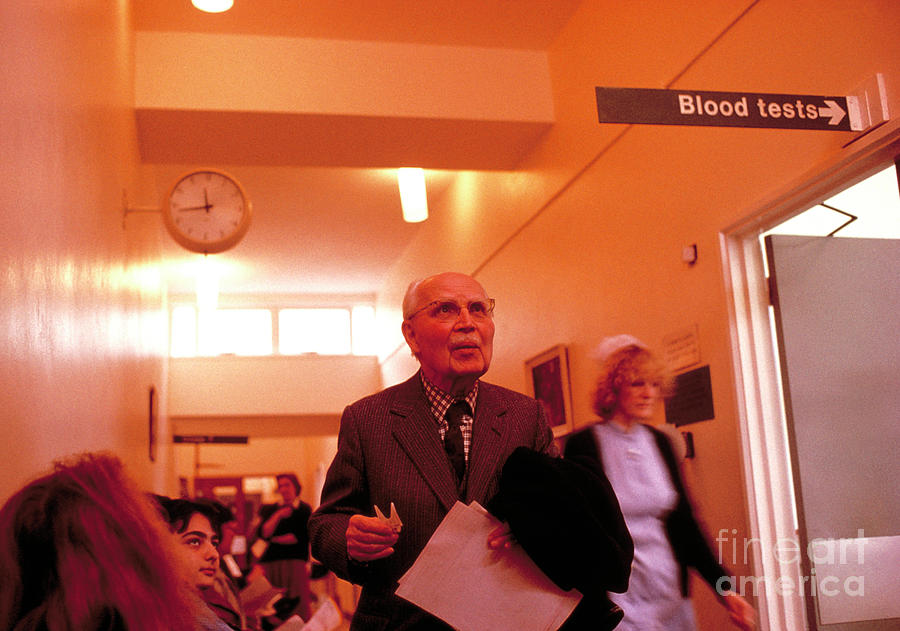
point(207, 211)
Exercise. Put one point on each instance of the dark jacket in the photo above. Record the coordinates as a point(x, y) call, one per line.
point(390, 450)
point(565, 515)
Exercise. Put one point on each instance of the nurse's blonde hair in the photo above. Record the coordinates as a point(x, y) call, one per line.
point(625, 366)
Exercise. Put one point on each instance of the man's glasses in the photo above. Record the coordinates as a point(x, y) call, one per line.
point(449, 310)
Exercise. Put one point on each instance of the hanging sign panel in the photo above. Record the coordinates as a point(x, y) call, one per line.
point(218, 440)
point(693, 401)
point(727, 109)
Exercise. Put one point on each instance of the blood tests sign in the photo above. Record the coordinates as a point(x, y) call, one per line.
point(727, 109)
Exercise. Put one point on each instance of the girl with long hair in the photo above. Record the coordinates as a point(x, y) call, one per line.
point(83, 549)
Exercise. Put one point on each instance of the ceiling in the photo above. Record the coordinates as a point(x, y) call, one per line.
point(869, 209)
point(333, 226)
point(523, 24)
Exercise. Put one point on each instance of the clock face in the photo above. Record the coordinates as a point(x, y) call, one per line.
point(207, 211)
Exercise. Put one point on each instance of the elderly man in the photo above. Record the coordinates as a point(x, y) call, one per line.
point(441, 436)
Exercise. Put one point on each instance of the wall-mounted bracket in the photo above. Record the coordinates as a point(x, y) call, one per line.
point(871, 104)
point(689, 254)
point(137, 209)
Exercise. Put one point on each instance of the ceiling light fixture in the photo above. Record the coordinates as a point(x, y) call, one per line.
point(213, 6)
point(413, 199)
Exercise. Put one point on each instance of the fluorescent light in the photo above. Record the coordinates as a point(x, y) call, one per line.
point(213, 6)
point(413, 199)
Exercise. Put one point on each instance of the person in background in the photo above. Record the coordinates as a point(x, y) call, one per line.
point(641, 465)
point(82, 548)
point(196, 531)
point(441, 436)
point(284, 527)
point(223, 597)
point(246, 602)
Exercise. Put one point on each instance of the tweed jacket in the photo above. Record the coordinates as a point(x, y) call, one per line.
point(390, 450)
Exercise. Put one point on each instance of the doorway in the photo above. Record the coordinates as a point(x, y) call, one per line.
point(769, 461)
point(834, 300)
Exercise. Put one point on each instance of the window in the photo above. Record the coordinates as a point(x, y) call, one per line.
point(254, 331)
point(235, 332)
point(322, 331)
point(362, 332)
point(183, 335)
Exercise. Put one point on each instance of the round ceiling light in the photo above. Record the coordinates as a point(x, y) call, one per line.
point(213, 6)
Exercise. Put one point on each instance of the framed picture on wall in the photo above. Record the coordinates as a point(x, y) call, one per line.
point(547, 375)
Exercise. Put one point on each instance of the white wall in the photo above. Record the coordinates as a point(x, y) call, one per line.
point(81, 332)
point(275, 385)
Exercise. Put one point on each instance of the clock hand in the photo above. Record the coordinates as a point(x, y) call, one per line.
point(206, 205)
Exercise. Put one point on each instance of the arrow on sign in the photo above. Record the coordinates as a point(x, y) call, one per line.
point(834, 110)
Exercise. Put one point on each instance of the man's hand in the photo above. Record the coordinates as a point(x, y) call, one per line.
point(501, 538)
point(368, 538)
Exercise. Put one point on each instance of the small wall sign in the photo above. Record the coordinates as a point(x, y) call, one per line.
point(693, 400)
point(682, 349)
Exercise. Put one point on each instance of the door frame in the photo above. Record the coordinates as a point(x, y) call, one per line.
point(755, 370)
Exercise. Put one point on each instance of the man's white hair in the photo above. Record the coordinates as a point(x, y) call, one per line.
point(409, 300)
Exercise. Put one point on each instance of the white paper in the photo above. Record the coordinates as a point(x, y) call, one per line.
point(326, 618)
point(238, 545)
point(233, 568)
point(294, 623)
point(393, 521)
point(259, 548)
point(473, 588)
